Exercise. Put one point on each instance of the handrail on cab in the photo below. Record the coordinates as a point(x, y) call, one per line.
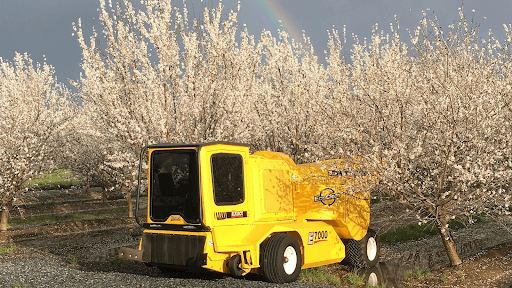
point(138, 184)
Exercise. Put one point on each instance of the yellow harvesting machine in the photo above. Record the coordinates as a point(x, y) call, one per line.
point(218, 207)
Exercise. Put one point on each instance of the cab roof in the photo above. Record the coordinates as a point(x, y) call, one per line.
point(199, 145)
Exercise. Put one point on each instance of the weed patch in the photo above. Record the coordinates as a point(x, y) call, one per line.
point(72, 259)
point(319, 275)
point(443, 277)
point(353, 279)
point(5, 250)
point(418, 274)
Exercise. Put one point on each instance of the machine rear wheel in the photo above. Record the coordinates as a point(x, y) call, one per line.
point(281, 259)
point(365, 252)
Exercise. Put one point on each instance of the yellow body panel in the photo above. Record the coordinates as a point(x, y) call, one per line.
point(272, 187)
point(212, 214)
point(320, 196)
point(305, 201)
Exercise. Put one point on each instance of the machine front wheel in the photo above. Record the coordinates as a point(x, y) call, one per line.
point(365, 252)
point(281, 259)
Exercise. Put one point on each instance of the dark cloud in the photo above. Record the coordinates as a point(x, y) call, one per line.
point(44, 27)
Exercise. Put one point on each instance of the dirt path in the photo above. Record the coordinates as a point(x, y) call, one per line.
point(63, 229)
point(66, 208)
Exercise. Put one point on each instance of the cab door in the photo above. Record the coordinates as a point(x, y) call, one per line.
point(224, 182)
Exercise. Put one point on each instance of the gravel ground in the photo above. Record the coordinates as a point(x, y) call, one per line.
point(55, 273)
point(48, 263)
point(40, 262)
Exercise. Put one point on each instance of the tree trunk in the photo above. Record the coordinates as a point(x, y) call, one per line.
point(449, 244)
point(104, 195)
point(130, 204)
point(5, 214)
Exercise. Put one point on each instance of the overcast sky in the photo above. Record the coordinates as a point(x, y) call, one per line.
point(43, 27)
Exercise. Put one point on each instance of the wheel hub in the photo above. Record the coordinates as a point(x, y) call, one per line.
point(371, 248)
point(290, 260)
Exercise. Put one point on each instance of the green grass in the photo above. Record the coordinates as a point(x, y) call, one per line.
point(419, 273)
point(415, 231)
point(422, 272)
point(353, 279)
point(72, 259)
point(319, 275)
point(36, 220)
point(322, 275)
point(9, 249)
point(58, 179)
point(407, 233)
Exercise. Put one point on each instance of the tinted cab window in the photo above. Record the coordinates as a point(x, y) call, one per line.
point(228, 180)
point(174, 185)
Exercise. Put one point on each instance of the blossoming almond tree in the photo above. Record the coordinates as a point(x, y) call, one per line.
point(83, 150)
point(433, 117)
point(190, 90)
point(33, 109)
point(289, 81)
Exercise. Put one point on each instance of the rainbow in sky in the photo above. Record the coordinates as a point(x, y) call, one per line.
point(277, 13)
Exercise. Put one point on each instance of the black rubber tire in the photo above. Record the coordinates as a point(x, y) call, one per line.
point(356, 251)
point(273, 260)
point(234, 265)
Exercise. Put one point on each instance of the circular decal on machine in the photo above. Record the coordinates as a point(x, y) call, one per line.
point(327, 196)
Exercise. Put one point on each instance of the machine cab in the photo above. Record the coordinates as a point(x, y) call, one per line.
point(198, 186)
